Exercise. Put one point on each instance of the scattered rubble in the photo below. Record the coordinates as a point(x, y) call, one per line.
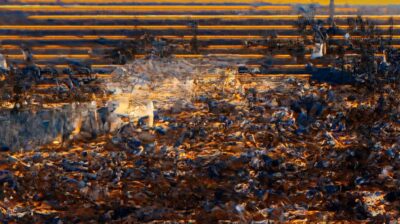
point(288, 151)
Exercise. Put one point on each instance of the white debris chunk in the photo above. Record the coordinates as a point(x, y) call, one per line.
point(318, 51)
point(3, 62)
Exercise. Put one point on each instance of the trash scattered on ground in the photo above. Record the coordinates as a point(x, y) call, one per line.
point(288, 151)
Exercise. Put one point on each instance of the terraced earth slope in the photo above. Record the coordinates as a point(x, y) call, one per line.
point(58, 30)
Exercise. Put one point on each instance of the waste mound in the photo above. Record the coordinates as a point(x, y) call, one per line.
point(144, 85)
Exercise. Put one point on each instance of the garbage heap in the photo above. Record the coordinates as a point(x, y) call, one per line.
point(270, 150)
point(159, 79)
point(132, 90)
point(145, 85)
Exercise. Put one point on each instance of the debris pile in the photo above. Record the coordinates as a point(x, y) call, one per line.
point(145, 85)
point(285, 152)
point(162, 80)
